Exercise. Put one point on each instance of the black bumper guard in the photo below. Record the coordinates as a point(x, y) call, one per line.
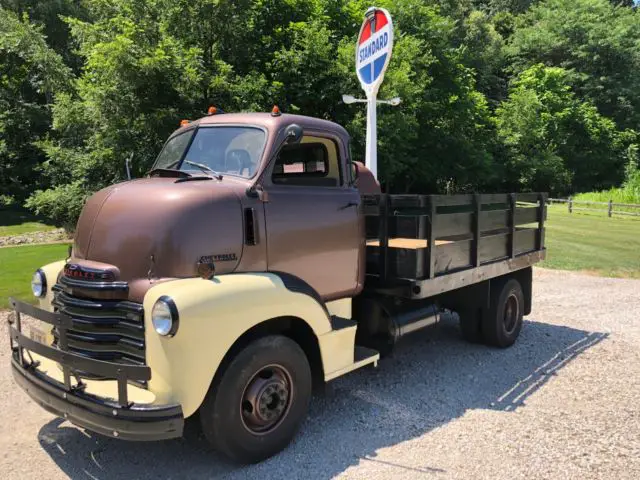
point(122, 419)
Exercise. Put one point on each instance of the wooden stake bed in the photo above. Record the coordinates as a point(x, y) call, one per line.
point(503, 230)
point(413, 243)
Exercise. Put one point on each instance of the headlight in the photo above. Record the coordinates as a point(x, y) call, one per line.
point(39, 284)
point(164, 316)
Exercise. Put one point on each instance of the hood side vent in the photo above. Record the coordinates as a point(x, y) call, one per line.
point(250, 227)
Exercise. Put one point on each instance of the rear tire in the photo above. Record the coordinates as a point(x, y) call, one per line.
point(502, 322)
point(256, 407)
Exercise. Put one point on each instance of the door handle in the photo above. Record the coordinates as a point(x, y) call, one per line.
point(350, 204)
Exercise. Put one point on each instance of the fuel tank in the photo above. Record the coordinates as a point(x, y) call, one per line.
point(158, 228)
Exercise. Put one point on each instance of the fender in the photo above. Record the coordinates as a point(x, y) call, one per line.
point(213, 314)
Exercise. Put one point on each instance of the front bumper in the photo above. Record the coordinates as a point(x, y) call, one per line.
point(121, 418)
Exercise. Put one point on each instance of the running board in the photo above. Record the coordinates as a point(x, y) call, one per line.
point(362, 356)
point(339, 351)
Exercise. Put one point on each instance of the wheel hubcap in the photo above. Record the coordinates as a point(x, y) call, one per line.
point(511, 313)
point(266, 399)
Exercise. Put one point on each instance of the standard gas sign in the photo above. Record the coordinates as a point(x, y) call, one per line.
point(373, 50)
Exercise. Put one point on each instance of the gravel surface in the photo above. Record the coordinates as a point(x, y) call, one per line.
point(562, 403)
point(36, 238)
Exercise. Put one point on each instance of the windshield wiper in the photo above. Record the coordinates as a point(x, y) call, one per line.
point(205, 168)
point(179, 173)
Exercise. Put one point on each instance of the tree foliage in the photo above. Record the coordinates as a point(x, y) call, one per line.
point(597, 43)
point(554, 140)
point(30, 73)
point(496, 95)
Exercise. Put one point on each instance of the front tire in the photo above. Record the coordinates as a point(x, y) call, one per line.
point(258, 404)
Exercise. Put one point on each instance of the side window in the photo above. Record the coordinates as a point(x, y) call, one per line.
point(312, 162)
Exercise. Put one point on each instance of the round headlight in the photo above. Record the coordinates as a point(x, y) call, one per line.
point(164, 316)
point(39, 284)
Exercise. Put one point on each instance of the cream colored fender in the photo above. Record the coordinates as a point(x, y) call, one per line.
point(51, 272)
point(213, 314)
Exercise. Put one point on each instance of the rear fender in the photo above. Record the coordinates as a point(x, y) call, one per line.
point(213, 315)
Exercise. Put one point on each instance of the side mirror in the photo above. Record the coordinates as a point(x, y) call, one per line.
point(293, 134)
point(355, 173)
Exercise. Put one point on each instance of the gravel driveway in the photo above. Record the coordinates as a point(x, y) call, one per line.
point(564, 402)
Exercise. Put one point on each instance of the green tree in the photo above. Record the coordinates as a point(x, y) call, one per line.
point(596, 42)
point(136, 84)
point(482, 49)
point(555, 142)
point(48, 16)
point(30, 74)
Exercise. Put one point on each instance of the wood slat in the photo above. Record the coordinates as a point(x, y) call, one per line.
point(525, 240)
point(528, 197)
point(494, 247)
point(452, 256)
point(452, 200)
point(452, 224)
point(527, 215)
point(406, 200)
point(494, 219)
point(492, 198)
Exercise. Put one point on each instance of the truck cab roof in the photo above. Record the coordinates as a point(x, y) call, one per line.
point(271, 122)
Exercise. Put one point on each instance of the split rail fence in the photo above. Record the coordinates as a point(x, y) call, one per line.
point(591, 206)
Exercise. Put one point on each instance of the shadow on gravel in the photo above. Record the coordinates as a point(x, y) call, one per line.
point(431, 379)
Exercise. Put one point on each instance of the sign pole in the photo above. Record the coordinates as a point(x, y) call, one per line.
point(373, 52)
point(371, 159)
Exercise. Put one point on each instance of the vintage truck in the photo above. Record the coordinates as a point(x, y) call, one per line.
point(255, 259)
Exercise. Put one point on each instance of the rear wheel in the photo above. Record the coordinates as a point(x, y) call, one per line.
point(502, 322)
point(259, 402)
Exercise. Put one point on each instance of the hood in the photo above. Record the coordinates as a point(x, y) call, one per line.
point(123, 225)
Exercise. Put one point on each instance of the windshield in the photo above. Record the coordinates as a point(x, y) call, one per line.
point(227, 150)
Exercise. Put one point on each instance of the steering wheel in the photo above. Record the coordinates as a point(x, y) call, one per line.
point(238, 160)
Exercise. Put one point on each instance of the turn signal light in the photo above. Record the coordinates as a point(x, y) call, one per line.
point(275, 111)
point(184, 122)
point(212, 110)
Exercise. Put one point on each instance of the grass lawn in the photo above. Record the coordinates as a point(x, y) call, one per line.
point(17, 265)
point(16, 222)
point(593, 243)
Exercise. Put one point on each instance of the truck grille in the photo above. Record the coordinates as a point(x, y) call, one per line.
point(109, 330)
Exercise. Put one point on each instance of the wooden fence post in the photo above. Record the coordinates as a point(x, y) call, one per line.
point(610, 208)
point(570, 204)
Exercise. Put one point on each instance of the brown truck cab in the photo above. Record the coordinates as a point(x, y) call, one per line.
point(254, 259)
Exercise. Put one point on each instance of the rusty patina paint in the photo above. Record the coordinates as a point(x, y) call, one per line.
point(155, 229)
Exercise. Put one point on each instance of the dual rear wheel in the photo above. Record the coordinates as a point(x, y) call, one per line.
point(500, 324)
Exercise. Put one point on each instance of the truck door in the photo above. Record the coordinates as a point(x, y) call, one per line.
point(313, 227)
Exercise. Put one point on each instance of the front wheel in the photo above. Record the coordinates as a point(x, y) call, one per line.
point(260, 401)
